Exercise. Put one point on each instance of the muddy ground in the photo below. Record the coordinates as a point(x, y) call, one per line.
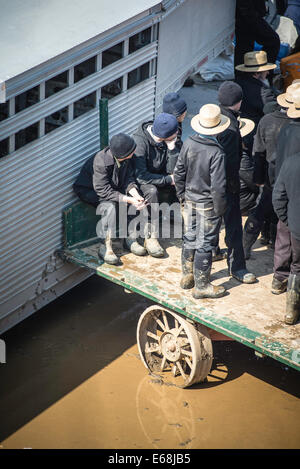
point(74, 379)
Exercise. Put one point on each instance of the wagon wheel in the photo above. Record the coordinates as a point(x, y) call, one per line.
point(176, 349)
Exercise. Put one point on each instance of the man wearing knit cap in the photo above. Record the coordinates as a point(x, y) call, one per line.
point(155, 144)
point(106, 180)
point(175, 105)
point(230, 97)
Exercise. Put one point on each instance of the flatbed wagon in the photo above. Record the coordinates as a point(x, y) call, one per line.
point(175, 335)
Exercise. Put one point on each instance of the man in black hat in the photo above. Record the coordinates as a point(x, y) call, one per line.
point(156, 145)
point(106, 180)
point(230, 97)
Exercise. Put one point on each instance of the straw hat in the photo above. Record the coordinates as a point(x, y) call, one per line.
point(210, 121)
point(294, 110)
point(246, 126)
point(286, 99)
point(255, 61)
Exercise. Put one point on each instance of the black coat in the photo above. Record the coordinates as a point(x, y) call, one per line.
point(231, 142)
point(112, 179)
point(265, 143)
point(151, 158)
point(255, 95)
point(286, 194)
point(288, 144)
point(200, 173)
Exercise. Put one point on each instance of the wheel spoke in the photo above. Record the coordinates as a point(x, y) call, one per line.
point(180, 369)
point(153, 336)
point(186, 352)
point(188, 362)
point(163, 364)
point(165, 321)
point(161, 325)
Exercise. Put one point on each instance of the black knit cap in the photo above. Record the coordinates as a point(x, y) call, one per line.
point(230, 93)
point(121, 145)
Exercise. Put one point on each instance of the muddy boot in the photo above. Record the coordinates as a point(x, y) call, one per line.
point(243, 276)
point(219, 254)
point(151, 242)
point(187, 262)
point(203, 288)
point(134, 247)
point(106, 251)
point(292, 299)
point(250, 235)
point(278, 286)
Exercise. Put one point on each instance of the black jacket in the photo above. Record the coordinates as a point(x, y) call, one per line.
point(112, 179)
point(150, 158)
point(265, 143)
point(250, 10)
point(255, 95)
point(288, 144)
point(200, 173)
point(286, 194)
point(231, 142)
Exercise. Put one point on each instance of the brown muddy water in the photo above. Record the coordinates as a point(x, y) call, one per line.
point(73, 379)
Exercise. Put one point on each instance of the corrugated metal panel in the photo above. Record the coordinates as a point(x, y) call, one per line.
point(36, 184)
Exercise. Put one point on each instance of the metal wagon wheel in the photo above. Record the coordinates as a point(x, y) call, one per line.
point(176, 349)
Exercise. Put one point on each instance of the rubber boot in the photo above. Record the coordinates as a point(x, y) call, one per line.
point(134, 247)
point(265, 234)
point(202, 268)
point(219, 254)
point(187, 262)
point(106, 251)
point(278, 286)
point(151, 242)
point(248, 241)
point(292, 299)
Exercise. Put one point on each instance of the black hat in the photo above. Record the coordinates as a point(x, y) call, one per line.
point(121, 145)
point(164, 125)
point(174, 104)
point(230, 93)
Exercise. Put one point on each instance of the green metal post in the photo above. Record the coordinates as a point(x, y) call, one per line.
point(103, 117)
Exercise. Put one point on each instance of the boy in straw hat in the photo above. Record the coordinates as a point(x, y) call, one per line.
point(264, 150)
point(256, 89)
point(288, 144)
point(230, 97)
point(200, 184)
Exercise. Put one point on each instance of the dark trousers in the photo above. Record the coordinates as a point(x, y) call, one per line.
point(263, 34)
point(287, 253)
point(201, 227)
point(117, 220)
point(234, 233)
point(263, 212)
point(87, 195)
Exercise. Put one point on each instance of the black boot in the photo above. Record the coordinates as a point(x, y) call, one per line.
point(203, 287)
point(278, 286)
point(292, 299)
point(250, 235)
point(265, 234)
point(187, 263)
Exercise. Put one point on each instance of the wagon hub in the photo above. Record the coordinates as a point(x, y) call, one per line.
point(170, 346)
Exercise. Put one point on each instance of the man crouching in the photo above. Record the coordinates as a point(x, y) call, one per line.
point(114, 184)
point(200, 183)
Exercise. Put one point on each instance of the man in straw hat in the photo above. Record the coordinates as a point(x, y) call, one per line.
point(263, 217)
point(200, 184)
point(256, 89)
point(288, 144)
point(286, 200)
point(251, 26)
point(230, 97)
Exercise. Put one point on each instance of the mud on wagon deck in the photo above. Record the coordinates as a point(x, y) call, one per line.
point(167, 332)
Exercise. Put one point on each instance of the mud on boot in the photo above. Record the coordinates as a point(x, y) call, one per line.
point(187, 262)
point(243, 276)
point(151, 243)
point(106, 252)
point(278, 286)
point(202, 268)
point(292, 312)
point(219, 254)
point(132, 244)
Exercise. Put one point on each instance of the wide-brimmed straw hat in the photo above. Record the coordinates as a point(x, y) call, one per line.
point(255, 61)
point(294, 110)
point(210, 121)
point(286, 99)
point(246, 126)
